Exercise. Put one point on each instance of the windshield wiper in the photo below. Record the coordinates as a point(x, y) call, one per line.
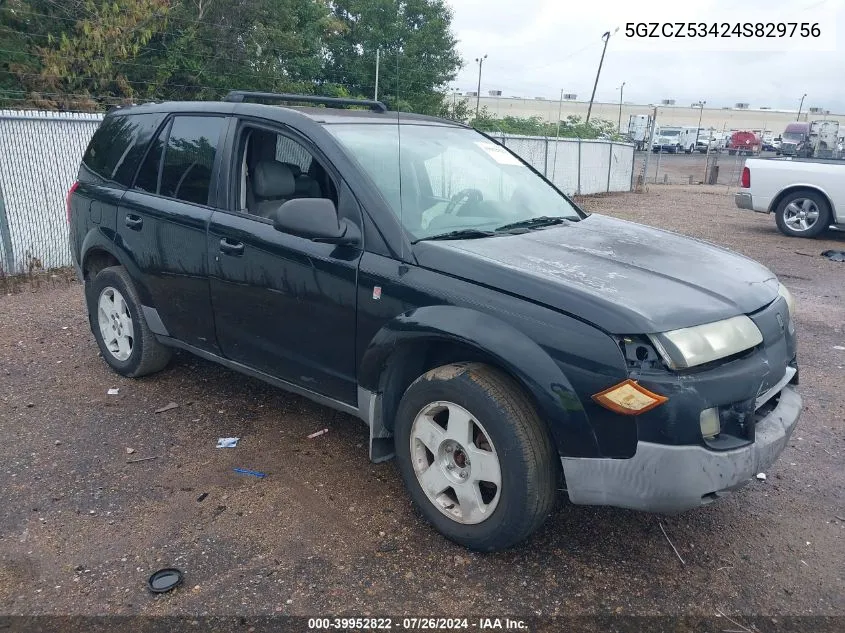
point(532, 223)
point(461, 234)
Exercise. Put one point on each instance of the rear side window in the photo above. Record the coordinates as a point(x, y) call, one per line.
point(184, 170)
point(189, 158)
point(117, 146)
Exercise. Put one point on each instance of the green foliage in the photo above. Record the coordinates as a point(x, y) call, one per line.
point(83, 54)
point(571, 127)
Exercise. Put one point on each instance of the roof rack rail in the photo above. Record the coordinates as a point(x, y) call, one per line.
point(239, 96)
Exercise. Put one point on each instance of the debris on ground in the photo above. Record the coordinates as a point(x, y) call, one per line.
point(672, 544)
point(761, 476)
point(142, 459)
point(251, 473)
point(839, 347)
point(164, 580)
point(834, 256)
point(317, 434)
point(202, 497)
point(167, 407)
point(129, 451)
point(113, 391)
point(227, 442)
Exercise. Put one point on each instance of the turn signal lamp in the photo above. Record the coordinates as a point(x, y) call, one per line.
point(629, 398)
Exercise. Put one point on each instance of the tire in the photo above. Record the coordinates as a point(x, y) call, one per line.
point(803, 213)
point(133, 349)
point(505, 432)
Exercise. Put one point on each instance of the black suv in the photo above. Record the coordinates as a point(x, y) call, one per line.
point(495, 338)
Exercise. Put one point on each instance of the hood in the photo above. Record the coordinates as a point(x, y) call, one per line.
point(624, 277)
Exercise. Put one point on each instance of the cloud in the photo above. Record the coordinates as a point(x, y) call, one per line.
point(538, 47)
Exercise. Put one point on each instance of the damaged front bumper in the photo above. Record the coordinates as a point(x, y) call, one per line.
point(670, 479)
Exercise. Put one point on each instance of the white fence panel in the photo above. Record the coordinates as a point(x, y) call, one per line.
point(39, 158)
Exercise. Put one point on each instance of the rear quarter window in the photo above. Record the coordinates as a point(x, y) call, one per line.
point(117, 147)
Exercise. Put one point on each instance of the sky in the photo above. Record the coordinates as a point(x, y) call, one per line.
point(538, 47)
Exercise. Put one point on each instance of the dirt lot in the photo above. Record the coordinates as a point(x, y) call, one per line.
point(327, 531)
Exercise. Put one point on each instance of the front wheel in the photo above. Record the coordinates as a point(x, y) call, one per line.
point(475, 456)
point(803, 214)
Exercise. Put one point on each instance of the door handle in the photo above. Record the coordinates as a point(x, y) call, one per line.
point(230, 247)
point(134, 221)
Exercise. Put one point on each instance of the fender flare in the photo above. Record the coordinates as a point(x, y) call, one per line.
point(513, 351)
point(96, 239)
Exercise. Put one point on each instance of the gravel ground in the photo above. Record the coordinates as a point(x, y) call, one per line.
point(328, 532)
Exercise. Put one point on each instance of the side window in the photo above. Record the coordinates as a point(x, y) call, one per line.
point(147, 179)
point(275, 168)
point(189, 158)
point(118, 145)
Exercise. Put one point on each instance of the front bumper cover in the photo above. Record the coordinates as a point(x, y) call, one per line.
point(671, 479)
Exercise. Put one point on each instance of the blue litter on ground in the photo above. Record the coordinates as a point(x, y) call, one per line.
point(252, 473)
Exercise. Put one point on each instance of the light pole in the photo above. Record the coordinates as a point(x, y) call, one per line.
point(605, 37)
point(700, 106)
point(619, 123)
point(800, 106)
point(480, 61)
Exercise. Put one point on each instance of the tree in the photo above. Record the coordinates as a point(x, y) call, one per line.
point(91, 53)
point(212, 46)
point(73, 51)
point(418, 55)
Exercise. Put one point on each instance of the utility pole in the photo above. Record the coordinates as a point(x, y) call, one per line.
point(648, 147)
point(480, 61)
point(605, 37)
point(700, 106)
point(557, 133)
point(619, 123)
point(378, 55)
point(800, 106)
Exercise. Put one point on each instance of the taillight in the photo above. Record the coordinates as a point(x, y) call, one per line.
point(745, 181)
point(70, 192)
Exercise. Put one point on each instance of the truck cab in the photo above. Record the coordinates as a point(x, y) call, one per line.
point(795, 140)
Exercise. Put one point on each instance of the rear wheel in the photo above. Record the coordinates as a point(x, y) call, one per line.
point(119, 326)
point(475, 456)
point(803, 214)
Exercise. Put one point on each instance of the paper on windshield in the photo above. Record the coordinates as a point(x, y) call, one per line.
point(497, 153)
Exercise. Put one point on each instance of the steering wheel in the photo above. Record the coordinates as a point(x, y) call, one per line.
point(461, 199)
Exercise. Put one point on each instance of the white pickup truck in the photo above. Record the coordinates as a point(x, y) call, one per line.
point(807, 196)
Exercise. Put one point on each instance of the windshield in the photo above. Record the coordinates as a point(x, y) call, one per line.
point(793, 136)
point(669, 132)
point(442, 179)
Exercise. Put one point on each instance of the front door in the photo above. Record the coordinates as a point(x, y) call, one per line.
point(283, 304)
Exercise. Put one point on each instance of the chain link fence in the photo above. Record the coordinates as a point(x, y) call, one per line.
point(39, 157)
point(40, 154)
point(713, 168)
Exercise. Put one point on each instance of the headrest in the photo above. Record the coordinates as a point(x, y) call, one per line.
point(295, 169)
point(273, 180)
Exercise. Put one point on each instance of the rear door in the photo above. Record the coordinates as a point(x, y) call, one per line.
point(162, 221)
point(107, 169)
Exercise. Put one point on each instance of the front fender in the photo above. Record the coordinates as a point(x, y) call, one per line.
point(509, 348)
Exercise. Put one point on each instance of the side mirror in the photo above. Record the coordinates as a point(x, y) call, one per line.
point(312, 218)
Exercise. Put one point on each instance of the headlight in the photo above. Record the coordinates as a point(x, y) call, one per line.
point(790, 300)
point(692, 346)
